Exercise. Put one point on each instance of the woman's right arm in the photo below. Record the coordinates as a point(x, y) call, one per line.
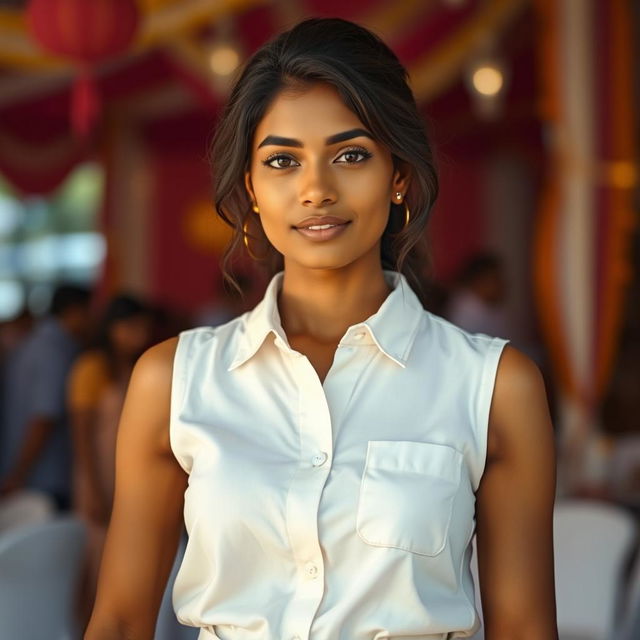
point(146, 521)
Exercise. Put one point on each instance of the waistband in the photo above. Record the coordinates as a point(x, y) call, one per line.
point(205, 634)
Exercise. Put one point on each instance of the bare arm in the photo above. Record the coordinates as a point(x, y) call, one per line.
point(147, 515)
point(92, 502)
point(515, 508)
point(39, 430)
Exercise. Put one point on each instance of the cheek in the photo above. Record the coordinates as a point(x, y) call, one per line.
point(368, 198)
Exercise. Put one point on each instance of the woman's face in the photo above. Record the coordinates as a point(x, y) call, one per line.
point(311, 159)
point(130, 336)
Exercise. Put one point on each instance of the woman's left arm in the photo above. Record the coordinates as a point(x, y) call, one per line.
point(514, 507)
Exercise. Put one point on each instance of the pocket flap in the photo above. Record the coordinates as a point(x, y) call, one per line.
point(427, 458)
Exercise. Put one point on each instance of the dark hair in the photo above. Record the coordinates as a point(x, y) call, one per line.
point(120, 307)
point(372, 83)
point(478, 266)
point(67, 296)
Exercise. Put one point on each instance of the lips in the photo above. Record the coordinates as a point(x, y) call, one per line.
point(320, 222)
point(322, 228)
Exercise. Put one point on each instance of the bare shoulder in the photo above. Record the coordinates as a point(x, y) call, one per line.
point(519, 410)
point(157, 361)
point(149, 394)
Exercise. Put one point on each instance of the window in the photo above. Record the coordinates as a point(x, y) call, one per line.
point(48, 240)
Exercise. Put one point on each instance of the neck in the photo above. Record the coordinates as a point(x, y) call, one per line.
point(321, 304)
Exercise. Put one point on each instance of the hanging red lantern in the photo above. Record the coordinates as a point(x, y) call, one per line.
point(87, 32)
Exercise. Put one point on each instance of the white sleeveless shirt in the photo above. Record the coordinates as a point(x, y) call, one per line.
point(334, 511)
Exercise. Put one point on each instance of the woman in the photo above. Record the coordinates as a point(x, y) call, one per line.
point(96, 391)
point(337, 443)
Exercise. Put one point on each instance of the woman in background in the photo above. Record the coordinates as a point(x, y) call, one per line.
point(96, 392)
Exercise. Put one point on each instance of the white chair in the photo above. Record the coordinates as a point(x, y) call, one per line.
point(592, 542)
point(25, 507)
point(39, 568)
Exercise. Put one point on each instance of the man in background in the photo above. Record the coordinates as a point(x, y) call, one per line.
point(477, 303)
point(35, 442)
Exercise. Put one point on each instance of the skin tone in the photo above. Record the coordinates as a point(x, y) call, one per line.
point(327, 287)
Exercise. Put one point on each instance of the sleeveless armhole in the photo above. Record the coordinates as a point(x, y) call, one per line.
point(485, 395)
point(178, 387)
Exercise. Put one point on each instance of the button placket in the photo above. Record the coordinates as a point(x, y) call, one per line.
point(303, 500)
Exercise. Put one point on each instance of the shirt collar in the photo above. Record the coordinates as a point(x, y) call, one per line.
point(392, 329)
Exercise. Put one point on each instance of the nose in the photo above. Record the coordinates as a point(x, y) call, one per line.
point(317, 188)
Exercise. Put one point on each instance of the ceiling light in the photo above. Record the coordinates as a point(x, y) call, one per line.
point(487, 80)
point(224, 59)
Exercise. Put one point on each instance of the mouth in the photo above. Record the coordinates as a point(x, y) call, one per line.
point(322, 231)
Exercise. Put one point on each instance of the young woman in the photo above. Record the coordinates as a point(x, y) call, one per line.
point(336, 448)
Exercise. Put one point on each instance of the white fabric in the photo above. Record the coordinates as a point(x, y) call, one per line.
point(334, 511)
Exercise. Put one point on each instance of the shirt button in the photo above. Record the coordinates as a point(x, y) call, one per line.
point(359, 335)
point(311, 570)
point(319, 459)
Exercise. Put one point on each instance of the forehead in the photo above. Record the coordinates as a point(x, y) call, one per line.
point(307, 114)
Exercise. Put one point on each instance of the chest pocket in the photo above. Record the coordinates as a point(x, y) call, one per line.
point(407, 494)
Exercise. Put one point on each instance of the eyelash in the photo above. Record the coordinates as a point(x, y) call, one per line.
point(358, 150)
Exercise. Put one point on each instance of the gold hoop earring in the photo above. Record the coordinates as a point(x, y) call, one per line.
point(245, 238)
point(407, 215)
point(255, 207)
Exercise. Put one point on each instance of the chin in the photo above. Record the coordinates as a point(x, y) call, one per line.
point(320, 261)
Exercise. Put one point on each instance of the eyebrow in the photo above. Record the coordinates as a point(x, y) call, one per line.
point(336, 137)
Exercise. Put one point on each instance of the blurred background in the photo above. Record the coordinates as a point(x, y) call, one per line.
point(109, 243)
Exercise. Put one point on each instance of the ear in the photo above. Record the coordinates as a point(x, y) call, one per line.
point(249, 187)
point(400, 182)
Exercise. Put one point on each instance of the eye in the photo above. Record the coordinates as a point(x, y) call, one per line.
point(279, 161)
point(355, 155)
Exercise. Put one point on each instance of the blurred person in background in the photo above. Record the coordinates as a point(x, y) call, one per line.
point(96, 391)
point(36, 442)
point(12, 334)
point(228, 303)
point(14, 331)
point(476, 304)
